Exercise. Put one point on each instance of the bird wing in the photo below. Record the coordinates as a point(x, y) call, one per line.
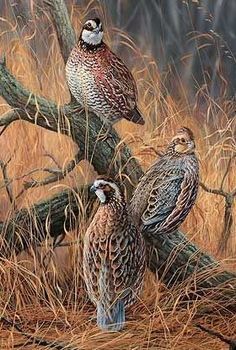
point(162, 199)
point(169, 202)
point(185, 200)
point(116, 81)
point(112, 259)
point(172, 194)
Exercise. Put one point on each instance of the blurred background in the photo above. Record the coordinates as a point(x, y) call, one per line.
point(192, 41)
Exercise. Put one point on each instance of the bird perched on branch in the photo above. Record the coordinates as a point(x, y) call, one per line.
point(168, 190)
point(113, 258)
point(99, 80)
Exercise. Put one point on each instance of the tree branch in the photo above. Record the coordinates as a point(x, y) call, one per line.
point(36, 340)
point(173, 257)
point(110, 156)
point(62, 25)
point(6, 180)
point(57, 174)
point(59, 214)
point(228, 210)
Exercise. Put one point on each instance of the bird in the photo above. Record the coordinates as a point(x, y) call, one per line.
point(167, 191)
point(99, 80)
point(114, 257)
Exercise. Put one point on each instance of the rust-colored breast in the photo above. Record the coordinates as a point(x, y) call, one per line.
point(101, 81)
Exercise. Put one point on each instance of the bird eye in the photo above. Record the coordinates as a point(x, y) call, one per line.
point(183, 140)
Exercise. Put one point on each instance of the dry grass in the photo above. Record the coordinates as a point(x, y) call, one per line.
point(53, 303)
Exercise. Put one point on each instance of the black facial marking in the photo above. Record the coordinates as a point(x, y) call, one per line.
point(88, 26)
point(97, 21)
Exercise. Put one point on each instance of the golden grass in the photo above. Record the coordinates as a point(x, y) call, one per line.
point(53, 303)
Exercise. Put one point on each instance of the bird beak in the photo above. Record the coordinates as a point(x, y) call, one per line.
point(93, 189)
point(97, 30)
point(191, 145)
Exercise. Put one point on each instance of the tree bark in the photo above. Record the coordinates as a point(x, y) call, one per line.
point(173, 257)
point(109, 156)
point(62, 25)
point(177, 259)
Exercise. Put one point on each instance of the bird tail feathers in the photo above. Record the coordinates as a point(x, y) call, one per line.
point(136, 117)
point(112, 319)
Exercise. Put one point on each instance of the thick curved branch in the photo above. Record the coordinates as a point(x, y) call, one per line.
point(108, 156)
point(173, 257)
point(54, 217)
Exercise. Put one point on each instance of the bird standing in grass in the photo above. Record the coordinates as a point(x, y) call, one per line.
point(99, 80)
point(168, 190)
point(114, 257)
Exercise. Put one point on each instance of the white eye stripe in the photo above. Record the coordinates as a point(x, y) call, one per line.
point(99, 192)
point(93, 23)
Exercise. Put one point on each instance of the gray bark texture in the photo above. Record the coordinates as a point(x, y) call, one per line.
point(174, 258)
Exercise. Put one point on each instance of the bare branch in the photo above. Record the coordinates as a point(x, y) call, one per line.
point(213, 190)
point(226, 171)
point(36, 340)
point(7, 119)
point(6, 180)
point(233, 193)
point(57, 174)
point(228, 341)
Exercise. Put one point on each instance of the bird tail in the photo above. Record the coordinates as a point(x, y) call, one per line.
point(136, 117)
point(112, 319)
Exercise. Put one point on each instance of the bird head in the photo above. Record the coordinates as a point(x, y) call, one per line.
point(183, 141)
point(106, 189)
point(92, 32)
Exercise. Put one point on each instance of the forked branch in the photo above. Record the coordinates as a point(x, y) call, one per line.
point(229, 198)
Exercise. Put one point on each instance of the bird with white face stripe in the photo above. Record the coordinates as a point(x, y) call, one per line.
point(114, 257)
point(99, 80)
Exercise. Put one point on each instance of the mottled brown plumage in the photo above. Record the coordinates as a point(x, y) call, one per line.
point(114, 257)
point(99, 80)
point(168, 190)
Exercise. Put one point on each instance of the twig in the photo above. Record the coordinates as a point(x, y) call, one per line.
point(61, 245)
point(39, 341)
point(57, 174)
point(226, 171)
point(219, 192)
point(230, 342)
point(6, 180)
point(8, 118)
point(229, 200)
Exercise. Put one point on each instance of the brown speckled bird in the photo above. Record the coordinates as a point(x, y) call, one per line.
point(113, 258)
point(168, 190)
point(99, 80)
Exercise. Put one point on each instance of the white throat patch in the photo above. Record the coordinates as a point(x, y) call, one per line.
point(92, 37)
point(101, 196)
point(99, 192)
